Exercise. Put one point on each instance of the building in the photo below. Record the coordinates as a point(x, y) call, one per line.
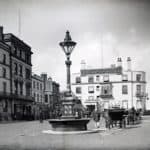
point(5, 97)
point(110, 86)
point(55, 95)
point(20, 77)
point(38, 89)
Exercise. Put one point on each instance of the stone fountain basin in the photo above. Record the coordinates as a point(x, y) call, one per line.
point(69, 124)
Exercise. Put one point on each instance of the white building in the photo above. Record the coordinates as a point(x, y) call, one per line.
point(110, 86)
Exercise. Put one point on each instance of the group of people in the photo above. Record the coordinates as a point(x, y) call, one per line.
point(130, 116)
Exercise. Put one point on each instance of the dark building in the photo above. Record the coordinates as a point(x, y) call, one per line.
point(20, 77)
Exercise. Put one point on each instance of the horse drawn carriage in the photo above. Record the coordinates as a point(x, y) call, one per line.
point(121, 116)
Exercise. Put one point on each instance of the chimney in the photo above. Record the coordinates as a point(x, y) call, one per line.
point(129, 64)
point(83, 65)
point(119, 62)
point(1, 33)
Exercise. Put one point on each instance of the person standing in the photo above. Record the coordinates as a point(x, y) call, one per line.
point(97, 119)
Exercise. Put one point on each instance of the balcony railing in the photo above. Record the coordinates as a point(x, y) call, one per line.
point(140, 94)
point(16, 96)
point(106, 96)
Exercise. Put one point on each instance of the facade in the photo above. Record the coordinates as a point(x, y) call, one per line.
point(20, 77)
point(38, 89)
point(55, 95)
point(5, 97)
point(110, 86)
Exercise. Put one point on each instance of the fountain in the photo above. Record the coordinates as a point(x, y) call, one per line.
point(71, 118)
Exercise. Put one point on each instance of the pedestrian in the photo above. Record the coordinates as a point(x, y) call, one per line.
point(97, 119)
point(41, 116)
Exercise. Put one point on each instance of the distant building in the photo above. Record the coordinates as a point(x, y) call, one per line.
point(47, 89)
point(110, 87)
point(38, 89)
point(55, 94)
point(5, 96)
point(20, 77)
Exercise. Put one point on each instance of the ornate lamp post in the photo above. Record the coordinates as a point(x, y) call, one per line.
point(68, 46)
point(69, 120)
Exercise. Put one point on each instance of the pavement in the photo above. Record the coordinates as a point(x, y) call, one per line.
point(30, 136)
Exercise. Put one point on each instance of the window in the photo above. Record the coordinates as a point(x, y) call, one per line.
point(138, 89)
point(15, 68)
point(91, 89)
point(4, 58)
point(91, 98)
point(20, 70)
point(4, 87)
point(4, 72)
point(34, 84)
point(125, 77)
point(28, 89)
point(106, 78)
point(5, 106)
point(78, 90)
point(46, 98)
point(21, 88)
point(97, 88)
point(37, 97)
point(34, 95)
point(125, 104)
point(90, 79)
point(41, 86)
point(106, 89)
point(124, 89)
point(97, 78)
point(138, 77)
point(78, 80)
point(41, 98)
point(16, 87)
point(37, 85)
point(28, 73)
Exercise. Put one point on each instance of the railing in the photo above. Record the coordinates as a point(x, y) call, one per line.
point(4, 94)
point(140, 94)
point(16, 96)
point(106, 96)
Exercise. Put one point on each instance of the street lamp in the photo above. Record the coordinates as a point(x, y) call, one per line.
point(68, 46)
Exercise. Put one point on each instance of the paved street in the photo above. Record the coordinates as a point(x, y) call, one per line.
point(28, 135)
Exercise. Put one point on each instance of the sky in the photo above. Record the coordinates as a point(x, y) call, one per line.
point(103, 29)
